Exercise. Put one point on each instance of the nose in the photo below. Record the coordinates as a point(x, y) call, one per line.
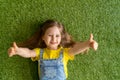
point(53, 38)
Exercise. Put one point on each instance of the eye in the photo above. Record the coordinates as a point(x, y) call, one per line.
point(57, 35)
point(49, 35)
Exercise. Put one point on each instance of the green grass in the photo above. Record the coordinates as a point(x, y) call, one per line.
point(19, 19)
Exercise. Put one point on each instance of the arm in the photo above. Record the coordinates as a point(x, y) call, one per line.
point(23, 52)
point(80, 47)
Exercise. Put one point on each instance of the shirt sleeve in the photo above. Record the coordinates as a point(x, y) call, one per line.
point(37, 51)
point(68, 56)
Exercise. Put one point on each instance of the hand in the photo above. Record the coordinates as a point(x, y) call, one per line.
point(93, 43)
point(12, 50)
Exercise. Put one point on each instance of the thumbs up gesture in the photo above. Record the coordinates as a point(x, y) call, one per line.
point(13, 50)
point(93, 43)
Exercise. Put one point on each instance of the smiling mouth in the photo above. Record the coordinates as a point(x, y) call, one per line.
point(53, 42)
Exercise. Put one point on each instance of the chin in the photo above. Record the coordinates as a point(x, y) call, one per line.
point(54, 47)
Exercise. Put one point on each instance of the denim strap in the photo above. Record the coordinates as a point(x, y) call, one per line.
point(41, 53)
point(61, 54)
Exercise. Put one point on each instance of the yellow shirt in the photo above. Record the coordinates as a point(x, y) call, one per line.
point(53, 54)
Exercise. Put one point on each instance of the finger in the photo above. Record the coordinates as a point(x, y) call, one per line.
point(10, 55)
point(11, 52)
point(15, 45)
point(95, 46)
point(91, 37)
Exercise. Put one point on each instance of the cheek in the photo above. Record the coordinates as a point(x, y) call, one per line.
point(45, 39)
point(59, 39)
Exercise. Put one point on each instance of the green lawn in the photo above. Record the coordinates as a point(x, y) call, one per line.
point(19, 19)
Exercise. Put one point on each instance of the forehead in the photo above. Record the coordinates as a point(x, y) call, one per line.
point(53, 30)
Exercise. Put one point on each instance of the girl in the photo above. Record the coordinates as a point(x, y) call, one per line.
point(53, 47)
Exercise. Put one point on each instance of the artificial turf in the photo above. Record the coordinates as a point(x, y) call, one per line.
point(19, 19)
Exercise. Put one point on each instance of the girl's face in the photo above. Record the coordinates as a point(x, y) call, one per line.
point(52, 38)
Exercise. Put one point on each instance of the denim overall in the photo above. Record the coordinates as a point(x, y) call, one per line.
point(52, 69)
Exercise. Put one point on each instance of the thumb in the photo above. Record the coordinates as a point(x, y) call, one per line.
point(15, 45)
point(91, 37)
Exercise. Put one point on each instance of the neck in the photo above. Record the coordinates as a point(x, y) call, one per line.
point(52, 48)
